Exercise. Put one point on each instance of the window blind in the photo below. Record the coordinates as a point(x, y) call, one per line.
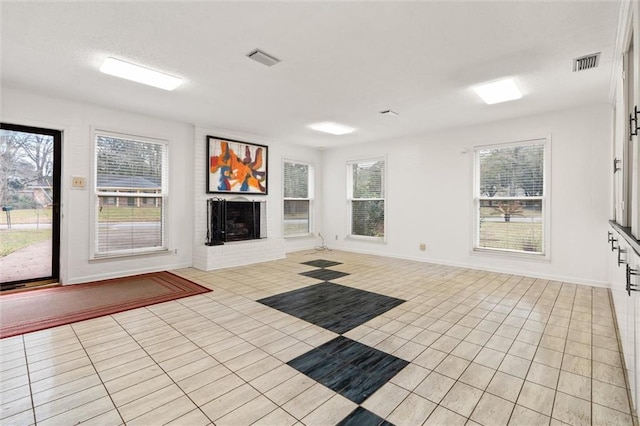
point(296, 180)
point(515, 171)
point(511, 197)
point(297, 198)
point(367, 201)
point(131, 195)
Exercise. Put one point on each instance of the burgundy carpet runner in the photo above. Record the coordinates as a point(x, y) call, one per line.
point(50, 307)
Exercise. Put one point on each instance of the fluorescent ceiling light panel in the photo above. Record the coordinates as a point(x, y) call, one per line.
point(332, 128)
point(499, 91)
point(129, 71)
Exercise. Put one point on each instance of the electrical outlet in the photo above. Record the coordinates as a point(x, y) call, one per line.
point(423, 246)
point(78, 182)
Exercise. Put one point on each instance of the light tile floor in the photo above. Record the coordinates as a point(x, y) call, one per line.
point(484, 348)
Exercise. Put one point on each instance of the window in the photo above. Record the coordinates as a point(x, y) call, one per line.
point(298, 193)
point(511, 197)
point(130, 195)
point(366, 193)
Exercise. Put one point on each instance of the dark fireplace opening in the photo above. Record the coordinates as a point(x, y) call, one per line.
point(234, 221)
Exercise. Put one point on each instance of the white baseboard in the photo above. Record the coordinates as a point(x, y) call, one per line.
point(109, 275)
point(551, 277)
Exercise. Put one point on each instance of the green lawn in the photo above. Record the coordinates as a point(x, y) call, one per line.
point(27, 216)
point(296, 223)
point(522, 236)
point(129, 214)
point(107, 214)
point(14, 239)
point(493, 212)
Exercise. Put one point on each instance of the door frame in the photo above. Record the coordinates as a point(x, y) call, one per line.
point(57, 197)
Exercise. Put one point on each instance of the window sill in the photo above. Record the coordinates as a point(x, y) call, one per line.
point(299, 236)
point(625, 232)
point(121, 256)
point(375, 240)
point(536, 257)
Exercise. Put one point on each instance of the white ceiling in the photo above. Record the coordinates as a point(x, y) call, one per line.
point(342, 62)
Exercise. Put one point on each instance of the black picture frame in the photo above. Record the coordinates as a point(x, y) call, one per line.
point(236, 167)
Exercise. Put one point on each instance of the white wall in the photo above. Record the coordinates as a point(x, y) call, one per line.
point(275, 245)
point(430, 185)
point(76, 120)
point(429, 190)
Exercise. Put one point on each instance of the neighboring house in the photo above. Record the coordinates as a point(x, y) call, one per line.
point(129, 185)
point(42, 194)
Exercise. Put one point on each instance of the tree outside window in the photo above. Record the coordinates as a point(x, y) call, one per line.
point(298, 189)
point(367, 198)
point(511, 197)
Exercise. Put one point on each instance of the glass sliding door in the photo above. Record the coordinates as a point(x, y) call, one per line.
point(30, 202)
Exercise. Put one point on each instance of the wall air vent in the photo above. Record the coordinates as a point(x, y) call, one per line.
point(586, 62)
point(265, 59)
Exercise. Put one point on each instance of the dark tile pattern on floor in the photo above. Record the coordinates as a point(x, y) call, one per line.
point(349, 368)
point(362, 417)
point(321, 263)
point(332, 306)
point(324, 274)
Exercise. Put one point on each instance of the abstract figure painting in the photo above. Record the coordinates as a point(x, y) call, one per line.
point(236, 167)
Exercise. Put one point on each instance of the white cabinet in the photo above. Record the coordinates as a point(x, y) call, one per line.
point(627, 307)
point(635, 391)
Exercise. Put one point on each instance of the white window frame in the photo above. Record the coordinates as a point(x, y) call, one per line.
point(310, 198)
point(545, 200)
point(164, 248)
point(351, 199)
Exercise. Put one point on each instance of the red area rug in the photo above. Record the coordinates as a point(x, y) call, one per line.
point(39, 309)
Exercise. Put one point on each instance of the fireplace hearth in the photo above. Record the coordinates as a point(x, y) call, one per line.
point(234, 221)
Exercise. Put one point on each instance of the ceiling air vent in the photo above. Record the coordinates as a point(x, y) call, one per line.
point(265, 59)
point(586, 62)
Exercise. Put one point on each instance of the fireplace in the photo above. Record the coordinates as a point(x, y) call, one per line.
point(235, 221)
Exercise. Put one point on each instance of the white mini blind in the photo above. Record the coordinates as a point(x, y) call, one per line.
point(510, 197)
point(131, 194)
point(514, 171)
point(296, 180)
point(367, 197)
point(298, 193)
